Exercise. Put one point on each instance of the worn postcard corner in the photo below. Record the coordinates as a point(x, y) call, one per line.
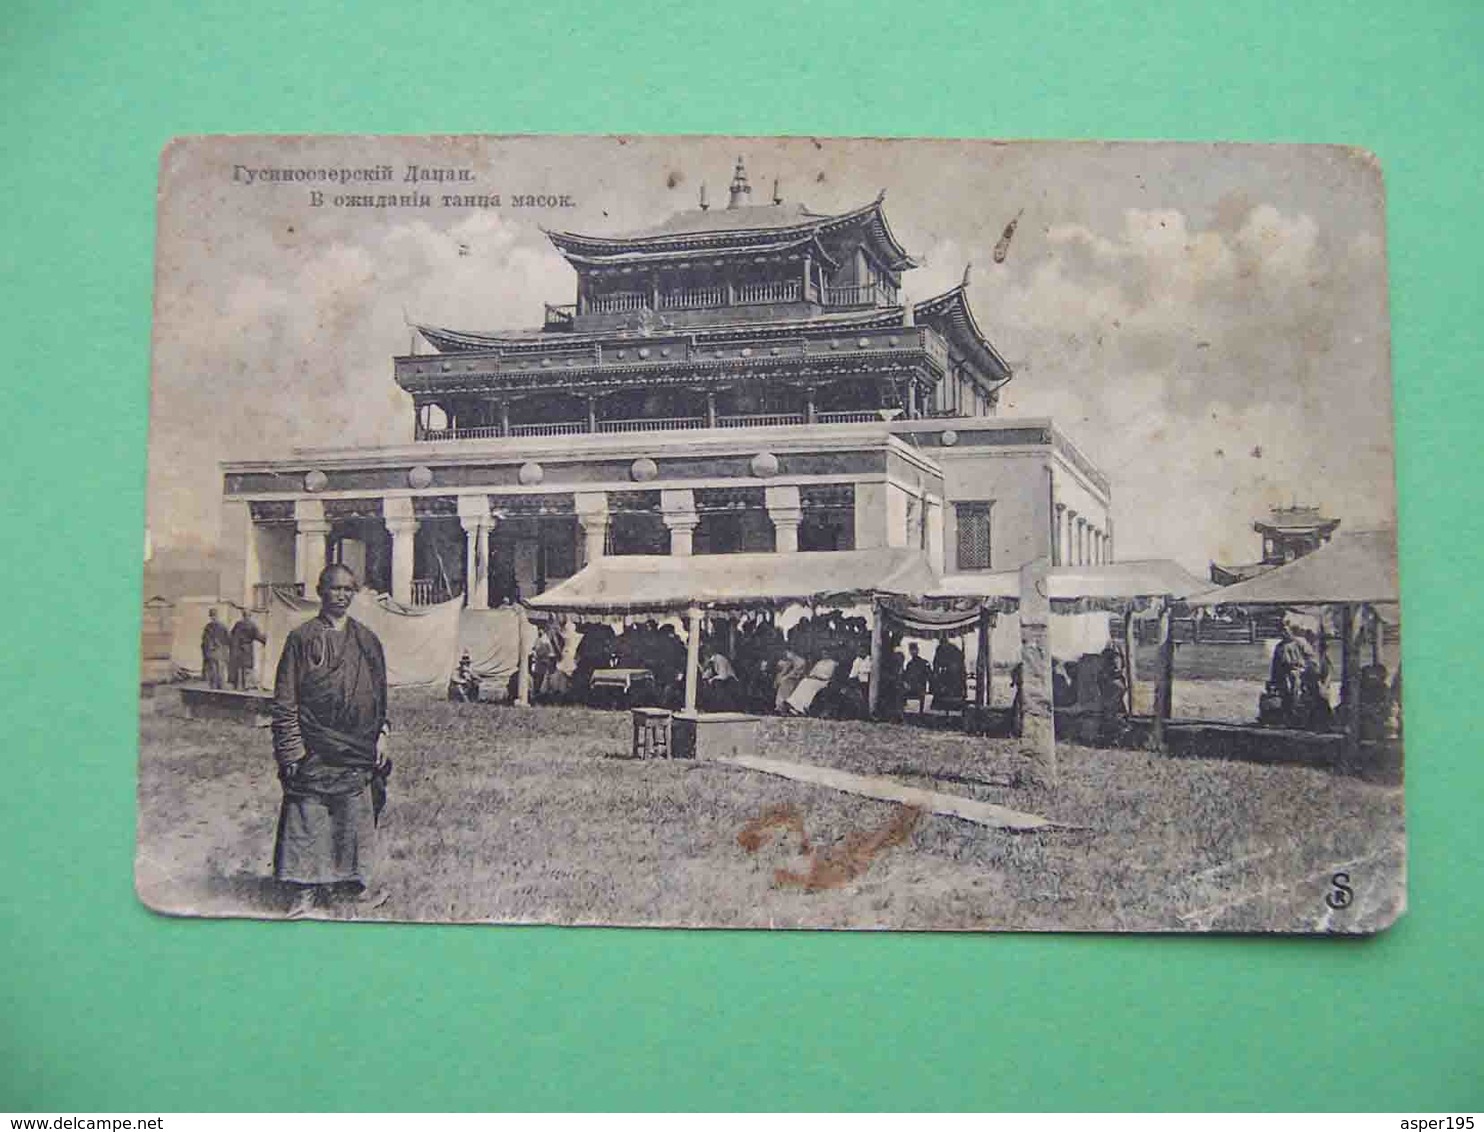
point(758, 532)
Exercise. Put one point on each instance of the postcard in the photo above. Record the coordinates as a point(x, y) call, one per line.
point(772, 533)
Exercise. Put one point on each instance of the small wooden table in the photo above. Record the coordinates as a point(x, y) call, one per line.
point(624, 680)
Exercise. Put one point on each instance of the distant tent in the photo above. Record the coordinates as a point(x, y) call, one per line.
point(1106, 586)
point(1354, 567)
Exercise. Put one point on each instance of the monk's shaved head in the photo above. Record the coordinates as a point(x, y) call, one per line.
point(337, 575)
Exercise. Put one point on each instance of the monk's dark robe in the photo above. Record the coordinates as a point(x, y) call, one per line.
point(329, 709)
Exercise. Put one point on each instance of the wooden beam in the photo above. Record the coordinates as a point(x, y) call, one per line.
point(1037, 706)
point(888, 790)
point(692, 657)
point(873, 689)
point(1130, 664)
point(983, 673)
point(1351, 626)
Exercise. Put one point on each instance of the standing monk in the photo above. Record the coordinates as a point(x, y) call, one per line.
point(216, 646)
point(329, 720)
point(242, 663)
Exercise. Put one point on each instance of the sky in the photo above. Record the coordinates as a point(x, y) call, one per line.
point(1207, 322)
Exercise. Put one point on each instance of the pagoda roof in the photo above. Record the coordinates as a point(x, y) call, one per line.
point(754, 228)
point(1224, 575)
point(463, 341)
point(951, 315)
point(1295, 518)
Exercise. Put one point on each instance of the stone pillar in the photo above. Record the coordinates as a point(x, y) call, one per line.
point(238, 575)
point(787, 511)
point(1037, 714)
point(710, 408)
point(474, 517)
point(592, 516)
point(1069, 555)
point(402, 526)
point(310, 531)
point(678, 509)
point(1058, 538)
point(1081, 542)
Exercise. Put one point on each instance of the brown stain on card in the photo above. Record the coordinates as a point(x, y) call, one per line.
point(835, 867)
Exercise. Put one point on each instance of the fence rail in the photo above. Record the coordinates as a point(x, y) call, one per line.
point(759, 420)
point(651, 424)
point(852, 416)
point(554, 428)
point(783, 292)
point(693, 298)
point(622, 301)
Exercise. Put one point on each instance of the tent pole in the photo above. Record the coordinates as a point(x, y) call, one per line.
point(523, 661)
point(692, 657)
point(1164, 679)
point(981, 662)
point(1350, 622)
point(1130, 671)
point(1037, 707)
point(873, 688)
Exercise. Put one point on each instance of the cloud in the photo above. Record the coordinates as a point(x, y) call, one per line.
point(251, 365)
point(1200, 367)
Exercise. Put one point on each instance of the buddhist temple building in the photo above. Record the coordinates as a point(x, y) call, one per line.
point(740, 378)
point(1288, 533)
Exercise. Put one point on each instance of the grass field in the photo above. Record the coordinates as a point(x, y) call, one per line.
point(539, 815)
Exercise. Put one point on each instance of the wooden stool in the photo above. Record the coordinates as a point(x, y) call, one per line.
point(651, 733)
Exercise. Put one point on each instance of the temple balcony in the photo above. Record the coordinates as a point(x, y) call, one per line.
point(660, 424)
point(719, 297)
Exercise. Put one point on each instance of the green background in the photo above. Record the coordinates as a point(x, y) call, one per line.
point(106, 1006)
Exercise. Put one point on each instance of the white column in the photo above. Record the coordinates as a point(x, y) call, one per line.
point(678, 509)
point(1081, 542)
point(310, 530)
point(474, 516)
point(592, 516)
point(401, 524)
point(787, 512)
point(1058, 541)
point(1069, 554)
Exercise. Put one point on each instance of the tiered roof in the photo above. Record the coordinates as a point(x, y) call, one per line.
point(743, 230)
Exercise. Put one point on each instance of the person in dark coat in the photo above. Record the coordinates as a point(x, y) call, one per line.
point(915, 678)
point(241, 661)
point(950, 676)
point(329, 727)
point(216, 649)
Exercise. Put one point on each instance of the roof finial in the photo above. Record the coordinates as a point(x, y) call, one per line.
point(777, 197)
point(740, 187)
point(704, 205)
point(968, 268)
